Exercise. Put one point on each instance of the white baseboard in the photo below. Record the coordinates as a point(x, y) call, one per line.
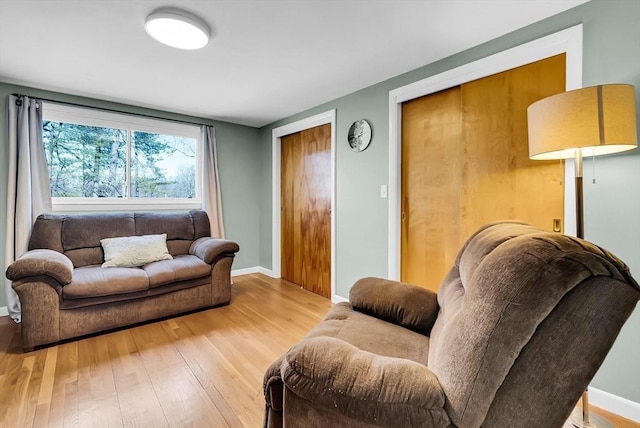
point(267, 272)
point(254, 269)
point(4, 312)
point(614, 404)
point(245, 271)
point(338, 299)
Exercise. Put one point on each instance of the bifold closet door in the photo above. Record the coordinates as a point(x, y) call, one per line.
point(306, 209)
point(465, 163)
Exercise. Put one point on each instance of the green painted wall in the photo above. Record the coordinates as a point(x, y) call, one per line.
point(612, 220)
point(612, 204)
point(611, 55)
point(238, 160)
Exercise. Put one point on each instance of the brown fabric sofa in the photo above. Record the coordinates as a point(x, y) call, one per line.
point(518, 329)
point(64, 292)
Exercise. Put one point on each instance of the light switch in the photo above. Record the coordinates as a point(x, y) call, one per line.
point(383, 191)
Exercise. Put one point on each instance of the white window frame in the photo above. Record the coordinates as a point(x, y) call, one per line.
point(56, 112)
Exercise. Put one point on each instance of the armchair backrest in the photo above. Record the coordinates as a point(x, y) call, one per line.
point(526, 318)
point(78, 235)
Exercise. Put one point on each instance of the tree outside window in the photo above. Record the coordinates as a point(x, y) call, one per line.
point(99, 162)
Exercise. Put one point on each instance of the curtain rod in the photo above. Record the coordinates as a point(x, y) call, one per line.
point(111, 110)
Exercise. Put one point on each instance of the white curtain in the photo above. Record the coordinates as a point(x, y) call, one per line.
point(28, 192)
point(211, 185)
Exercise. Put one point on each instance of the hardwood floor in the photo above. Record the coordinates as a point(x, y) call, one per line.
point(201, 370)
point(615, 420)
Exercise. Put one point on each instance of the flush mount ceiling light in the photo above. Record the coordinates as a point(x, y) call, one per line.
point(177, 28)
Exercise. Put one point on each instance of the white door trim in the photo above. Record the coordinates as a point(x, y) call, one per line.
point(567, 41)
point(276, 135)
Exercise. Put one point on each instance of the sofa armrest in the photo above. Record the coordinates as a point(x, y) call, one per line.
point(210, 249)
point(42, 263)
point(338, 377)
point(407, 305)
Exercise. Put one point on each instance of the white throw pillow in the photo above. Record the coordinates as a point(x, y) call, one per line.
point(132, 251)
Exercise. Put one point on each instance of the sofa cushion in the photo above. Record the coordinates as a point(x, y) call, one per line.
point(372, 334)
point(175, 225)
point(85, 256)
point(47, 232)
point(86, 230)
point(143, 294)
point(132, 251)
point(94, 281)
point(178, 246)
point(181, 268)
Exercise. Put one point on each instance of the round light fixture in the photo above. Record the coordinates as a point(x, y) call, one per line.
point(177, 28)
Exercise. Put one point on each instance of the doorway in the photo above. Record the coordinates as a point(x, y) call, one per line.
point(278, 250)
point(568, 41)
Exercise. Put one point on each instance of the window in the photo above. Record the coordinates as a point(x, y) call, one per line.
point(103, 160)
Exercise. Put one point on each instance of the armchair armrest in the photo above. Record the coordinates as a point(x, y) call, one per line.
point(338, 377)
point(210, 249)
point(42, 262)
point(273, 395)
point(407, 305)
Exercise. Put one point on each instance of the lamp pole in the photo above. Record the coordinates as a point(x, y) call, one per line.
point(579, 198)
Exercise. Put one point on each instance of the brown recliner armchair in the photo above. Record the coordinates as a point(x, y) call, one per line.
point(519, 327)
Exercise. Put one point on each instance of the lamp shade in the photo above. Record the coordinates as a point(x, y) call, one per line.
point(598, 119)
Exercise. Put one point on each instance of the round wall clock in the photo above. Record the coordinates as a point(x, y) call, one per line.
point(359, 135)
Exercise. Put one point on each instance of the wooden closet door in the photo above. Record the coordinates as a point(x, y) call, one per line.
point(501, 182)
point(306, 209)
point(476, 170)
point(431, 182)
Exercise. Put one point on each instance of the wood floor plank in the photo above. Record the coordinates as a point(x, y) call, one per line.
point(138, 402)
point(183, 400)
point(202, 369)
point(98, 403)
point(43, 406)
point(22, 405)
point(11, 359)
point(64, 397)
point(217, 376)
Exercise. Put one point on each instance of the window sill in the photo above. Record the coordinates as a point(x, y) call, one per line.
point(84, 205)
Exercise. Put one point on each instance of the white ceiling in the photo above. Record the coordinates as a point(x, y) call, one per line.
point(267, 59)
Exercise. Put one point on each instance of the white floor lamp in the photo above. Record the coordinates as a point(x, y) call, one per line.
point(591, 121)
